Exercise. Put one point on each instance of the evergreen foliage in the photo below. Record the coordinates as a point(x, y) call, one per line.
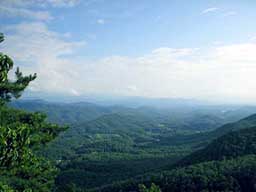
point(11, 89)
point(153, 188)
point(21, 134)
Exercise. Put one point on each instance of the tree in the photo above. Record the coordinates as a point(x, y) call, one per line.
point(153, 188)
point(11, 89)
point(21, 134)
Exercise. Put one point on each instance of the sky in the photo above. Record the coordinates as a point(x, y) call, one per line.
point(200, 49)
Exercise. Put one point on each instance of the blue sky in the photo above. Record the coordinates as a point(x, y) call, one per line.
point(201, 49)
point(137, 27)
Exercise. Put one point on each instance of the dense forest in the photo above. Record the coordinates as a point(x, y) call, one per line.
point(226, 164)
point(120, 148)
point(82, 146)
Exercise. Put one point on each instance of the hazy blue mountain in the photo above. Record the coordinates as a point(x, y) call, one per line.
point(66, 113)
point(107, 100)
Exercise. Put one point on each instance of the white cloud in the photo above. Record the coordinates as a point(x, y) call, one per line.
point(36, 49)
point(40, 3)
point(209, 10)
point(253, 38)
point(216, 9)
point(101, 21)
point(25, 13)
point(220, 72)
point(62, 3)
point(32, 9)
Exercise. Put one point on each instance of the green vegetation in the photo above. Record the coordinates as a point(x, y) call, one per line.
point(226, 164)
point(227, 175)
point(153, 188)
point(11, 89)
point(119, 148)
point(234, 144)
point(21, 133)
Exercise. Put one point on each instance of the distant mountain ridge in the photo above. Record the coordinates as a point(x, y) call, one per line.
point(107, 100)
point(65, 113)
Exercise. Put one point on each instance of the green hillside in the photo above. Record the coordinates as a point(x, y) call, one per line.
point(227, 175)
point(233, 144)
point(241, 124)
point(206, 137)
point(227, 164)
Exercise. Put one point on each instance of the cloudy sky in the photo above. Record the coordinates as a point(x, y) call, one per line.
point(200, 49)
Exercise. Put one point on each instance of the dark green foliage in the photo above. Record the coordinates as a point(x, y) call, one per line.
point(21, 134)
point(153, 188)
point(111, 148)
point(99, 173)
point(1, 37)
point(5, 188)
point(244, 123)
point(10, 138)
point(231, 169)
point(236, 143)
point(38, 129)
point(11, 89)
point(228, 175)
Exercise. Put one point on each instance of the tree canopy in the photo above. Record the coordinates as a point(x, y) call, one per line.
point(11, 88)
point(21, 134)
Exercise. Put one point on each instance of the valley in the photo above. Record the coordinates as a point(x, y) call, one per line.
point(110, 144)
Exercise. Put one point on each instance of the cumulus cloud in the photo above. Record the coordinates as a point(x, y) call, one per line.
point(39, 50)
point(222, 71)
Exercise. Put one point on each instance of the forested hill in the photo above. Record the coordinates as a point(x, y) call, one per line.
point(207, 137)
point(228, 163)
point(247, 122)
point(233, 144)
point(236, 175)
point(221, 140)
